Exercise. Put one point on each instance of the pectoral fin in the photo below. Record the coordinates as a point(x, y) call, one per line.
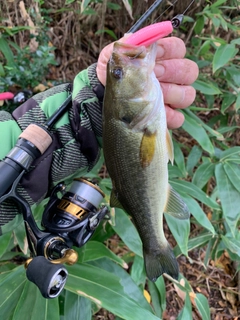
point(170, 147)
point(114, 202)
point(147, 148)
point(175, 206)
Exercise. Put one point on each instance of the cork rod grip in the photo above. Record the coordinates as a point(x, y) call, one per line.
point(37, 136)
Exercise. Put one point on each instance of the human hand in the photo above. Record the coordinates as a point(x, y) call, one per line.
point(174, 72)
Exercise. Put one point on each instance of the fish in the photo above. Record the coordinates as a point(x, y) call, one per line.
point(137, 147)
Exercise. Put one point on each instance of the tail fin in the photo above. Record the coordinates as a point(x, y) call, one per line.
point(159, 262)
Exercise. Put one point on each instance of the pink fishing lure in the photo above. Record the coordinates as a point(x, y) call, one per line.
point(6, 96)
point(150, 34)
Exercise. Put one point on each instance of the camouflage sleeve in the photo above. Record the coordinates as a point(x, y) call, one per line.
point(76, 139)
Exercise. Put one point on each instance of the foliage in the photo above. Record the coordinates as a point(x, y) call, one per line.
point(25, 67)
point(206, 173)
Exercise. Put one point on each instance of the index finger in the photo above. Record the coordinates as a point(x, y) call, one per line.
point(170, 48)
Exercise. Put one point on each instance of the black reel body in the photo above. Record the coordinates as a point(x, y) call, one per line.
point(67, 221)
point(76, 215)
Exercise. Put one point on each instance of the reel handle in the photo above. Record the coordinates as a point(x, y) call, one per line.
point(48, 277)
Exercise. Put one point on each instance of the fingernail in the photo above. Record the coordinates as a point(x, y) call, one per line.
point(160, 51)
point(159, 70)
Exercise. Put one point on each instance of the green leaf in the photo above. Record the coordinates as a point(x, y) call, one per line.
point(186, 312)
point(7, 52)
point(214, 133)
point(158, 295)
point(94, 250)
point(11, 286)
point(198, 213)
point(203, 174)
point(21, 299)
point(203, 306)
point(127, 232)
point(130, 287)
point(229, 197)
point(206, 87)
point(4, 240)
point(69, 1)
point(108, 31)
point(174, 172)
point(193, 243)
point(103, 288)
point(199, 25)
point(31, 305)
point(237, 105)
point(217, 3)
point(161, 286)
point(2, 72)
point(185, 187)
point(180, 230)
point(155, 298)
point(76, 307)
point(21, 238)
point(196, 130)
point(231, 154)
point(233, 172)
point(138, 273)
point(231, 244)
point(179, 158)
point(223, 55)
point(234, 74)
point(193, 158)
point(84, 4)
point(228, 100)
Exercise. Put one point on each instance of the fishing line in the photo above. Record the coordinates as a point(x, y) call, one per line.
point(165, 11)
point(176, 21)
point(145, 16)
point(190, 4)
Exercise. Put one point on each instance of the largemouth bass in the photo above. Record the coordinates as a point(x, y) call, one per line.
point(137, 147)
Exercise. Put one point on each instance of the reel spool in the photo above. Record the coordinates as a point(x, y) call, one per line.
point(81, 202)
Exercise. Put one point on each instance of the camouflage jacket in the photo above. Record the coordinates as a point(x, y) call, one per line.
point(76, 139)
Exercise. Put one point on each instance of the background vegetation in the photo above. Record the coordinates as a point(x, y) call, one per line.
point(46, 42)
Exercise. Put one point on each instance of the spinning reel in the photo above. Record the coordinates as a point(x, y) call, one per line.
point(68, 220)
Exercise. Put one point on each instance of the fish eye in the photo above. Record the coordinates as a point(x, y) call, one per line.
point(117, 73)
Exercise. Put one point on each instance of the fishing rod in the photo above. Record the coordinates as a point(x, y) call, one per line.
point(176, 21)
point(145, 16)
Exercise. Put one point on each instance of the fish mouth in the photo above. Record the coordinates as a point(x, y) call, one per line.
point(123, 53)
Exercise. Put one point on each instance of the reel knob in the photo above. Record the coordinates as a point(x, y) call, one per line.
point(48, 277)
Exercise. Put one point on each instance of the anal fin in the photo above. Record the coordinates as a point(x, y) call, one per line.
point(175, 206)
point(114, 202)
